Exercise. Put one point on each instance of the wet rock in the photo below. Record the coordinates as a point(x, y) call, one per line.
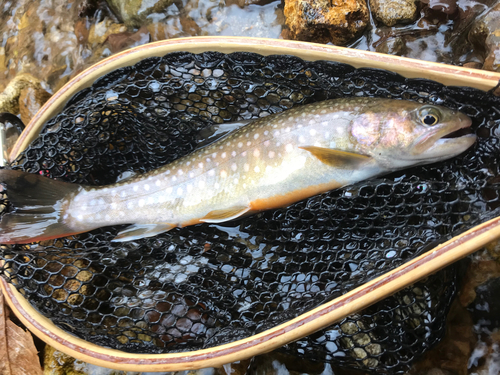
point(391, 12)
point(9, 98)
point(485, 35)
point(486, 306)
point(119, 42)
point(30, 101)
point(100, 31)
point(451, 355)
point(445, 6)
point(134, 12)
point(244, 3)
point(323, 21)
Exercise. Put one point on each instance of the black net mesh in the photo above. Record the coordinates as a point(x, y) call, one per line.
point(206, 285)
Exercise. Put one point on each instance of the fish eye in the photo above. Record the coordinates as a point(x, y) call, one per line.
point(429, 120)
point(429, 116)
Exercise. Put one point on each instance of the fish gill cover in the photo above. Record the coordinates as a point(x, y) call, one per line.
point(206, 285)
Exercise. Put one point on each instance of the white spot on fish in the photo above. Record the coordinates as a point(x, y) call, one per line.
point(201, 184)
point(146, 187)
point(289, 147)
point(223, 173)
point(276, 133)
point(246, 167)
point(174, 179)
point(223, 155)
point(271, 154)
point(80, 217)
point(180, 172)
point(179, 191)
point(189, 188)
point(169, 190)
point(302, 139)
point(312, 132)
point(157, 183)
point(240, 144)
point(135, 188)
point(257, 169)
point(249, 143)
point(266, 132)
point(256, 153)
point(234, 167)
point(267, 143)
point(142, 202)
point(107, 217)
point(235, 181)
point(211, 172)
point(233, 154)
point(200, 165)
point(214, 155)
point(256, 136)
point(130, 205)
point(191, 174)
point(216, 185)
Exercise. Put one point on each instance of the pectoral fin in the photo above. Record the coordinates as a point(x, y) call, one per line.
point(137, 231)
point(336, 158)
point(220, 216)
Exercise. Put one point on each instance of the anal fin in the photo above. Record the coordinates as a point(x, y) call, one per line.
point(220, 216)
point(138, 231)
point(337, 158)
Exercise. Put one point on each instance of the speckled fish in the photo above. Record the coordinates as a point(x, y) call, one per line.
point(269, 163)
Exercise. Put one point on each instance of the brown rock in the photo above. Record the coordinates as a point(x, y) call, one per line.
point(485, 35)
point(158, 31)
point(323, 21)
point(30, 101)
point(100, 31)
point(391, 12)
point(119, 42)
point(451, 355)
point(134, 12)
point(82, 30)
point(9, 98)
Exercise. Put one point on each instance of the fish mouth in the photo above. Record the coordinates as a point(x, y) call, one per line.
point(446, 142)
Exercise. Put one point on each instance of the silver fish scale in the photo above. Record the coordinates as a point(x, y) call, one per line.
point(210, 284)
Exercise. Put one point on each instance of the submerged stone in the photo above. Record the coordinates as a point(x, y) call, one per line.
point(391, 12)
point(323, 21)
point(134, 12)
point(485, 35)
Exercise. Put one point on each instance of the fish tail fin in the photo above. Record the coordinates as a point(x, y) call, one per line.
point(36, 207)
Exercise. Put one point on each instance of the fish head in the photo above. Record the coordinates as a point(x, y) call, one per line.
point(409, 133)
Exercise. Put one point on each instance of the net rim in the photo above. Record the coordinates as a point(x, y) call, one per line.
point(313, 320)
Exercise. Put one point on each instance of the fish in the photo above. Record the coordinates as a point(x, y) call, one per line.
point(268, 163)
